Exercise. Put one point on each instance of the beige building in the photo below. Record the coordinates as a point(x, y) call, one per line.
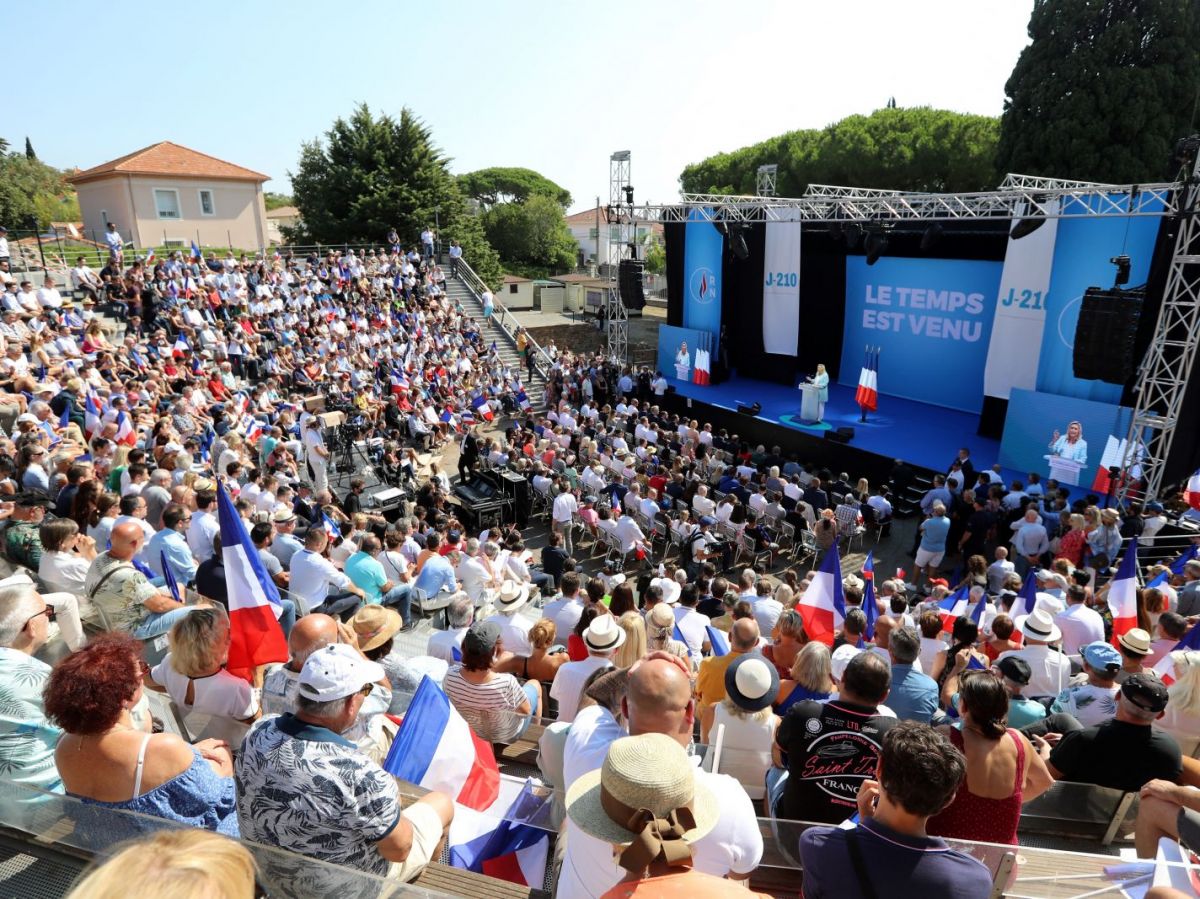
point(168, 195)
point(277, 219)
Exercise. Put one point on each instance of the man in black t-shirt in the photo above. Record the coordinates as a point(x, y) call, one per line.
point(828, 749)
point(1125, 753)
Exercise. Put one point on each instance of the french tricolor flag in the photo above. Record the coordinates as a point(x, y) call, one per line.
point(717, 640)
point(1186, 556)
point(523, 399)
point(1191, 493)
point(823, 605)
point(509, 848)
point(481, 407)
point(253, 428)
point(436, 749)
point(870, 606)
point(125, 432)
point(181, 346)
point(1165, 668)
point(867, 395)
point(1122, 594)
point(954, 606)
point(254, 607)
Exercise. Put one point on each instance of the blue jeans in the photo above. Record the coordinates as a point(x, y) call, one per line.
point(287, 618)
point(532, 692)
point(155, 624)
point(776, 781)
point(339, 605)
point(399, 598)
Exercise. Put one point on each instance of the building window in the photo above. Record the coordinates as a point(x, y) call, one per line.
point(512, 288)
point(166, 203)
point(593, 233)
point(614, 233)
point(207, 206)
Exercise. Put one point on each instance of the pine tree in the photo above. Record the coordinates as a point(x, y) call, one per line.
point(29, 154)
point(373, 173)
point(1103, 91)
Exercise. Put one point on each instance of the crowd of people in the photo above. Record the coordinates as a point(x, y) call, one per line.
point(691, 631)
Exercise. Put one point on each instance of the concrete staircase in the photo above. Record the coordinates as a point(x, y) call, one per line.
point(502, 331)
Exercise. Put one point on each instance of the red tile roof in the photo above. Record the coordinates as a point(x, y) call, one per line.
point(169, 160)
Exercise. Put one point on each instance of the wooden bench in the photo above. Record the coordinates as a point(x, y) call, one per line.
point(524, 751)
point(1080, 811)
point(459, 882)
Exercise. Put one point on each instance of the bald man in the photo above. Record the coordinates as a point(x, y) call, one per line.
point(125, 597)
point(658, 700)
point(310, 633)
point(710, 681)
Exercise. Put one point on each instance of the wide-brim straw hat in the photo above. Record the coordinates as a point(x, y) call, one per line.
point(511, 596)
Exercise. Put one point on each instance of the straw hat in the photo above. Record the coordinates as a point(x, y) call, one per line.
point(661, 616)
point(1039, 625)
point(603, 634)
point(375, 625)
point(1136, 641)
point(512, 596)
point(647, 779)
point(752, 682)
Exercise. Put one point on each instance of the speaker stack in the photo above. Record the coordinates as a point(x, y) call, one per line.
point(1105, 334)
point(629, 281)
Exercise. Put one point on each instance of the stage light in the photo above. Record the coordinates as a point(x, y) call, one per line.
point(876, 245)
point(931, 236)
point(1025, 227)
point(628, 188)
point(853, 233)
point(737, 243)
point(1122, 264)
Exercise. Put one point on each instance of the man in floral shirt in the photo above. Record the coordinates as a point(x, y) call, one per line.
point(304, 787)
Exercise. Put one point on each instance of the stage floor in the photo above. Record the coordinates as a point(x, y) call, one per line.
point(925, 435)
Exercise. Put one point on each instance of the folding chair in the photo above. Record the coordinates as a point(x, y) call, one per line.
point(748, 546)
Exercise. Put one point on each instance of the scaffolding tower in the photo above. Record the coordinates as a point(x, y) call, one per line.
point(621, 235)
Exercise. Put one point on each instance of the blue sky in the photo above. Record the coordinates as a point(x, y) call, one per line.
point(554, 86)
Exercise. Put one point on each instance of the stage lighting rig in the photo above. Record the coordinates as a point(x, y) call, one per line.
point(876, 243)
point(1122, 264)
point(628, 188)
point(853, 233)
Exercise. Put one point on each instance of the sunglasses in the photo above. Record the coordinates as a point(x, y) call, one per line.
point(48, 612)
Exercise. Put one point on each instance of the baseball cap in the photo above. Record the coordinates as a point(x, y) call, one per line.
point(707, 520)
point(1015, 669)
point(335, 672)
point(481, 638)
point(1145, 691)
point(1154, 507)
point(1102, 657)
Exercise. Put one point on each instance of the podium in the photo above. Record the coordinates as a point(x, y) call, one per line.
point(1065, 471)
point(809, 402)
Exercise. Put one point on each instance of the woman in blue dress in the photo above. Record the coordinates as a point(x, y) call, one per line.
point(108, 762)
point(821, 381)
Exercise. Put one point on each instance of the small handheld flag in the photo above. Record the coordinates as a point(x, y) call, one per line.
point(717, 640)
point(1028, 593)
point(65, 418)
point(870, 605)
point(169, 577)
point(196, 254)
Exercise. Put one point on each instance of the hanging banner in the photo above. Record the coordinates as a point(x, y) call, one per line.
point(702, 252)
point(1012, 357)
point(781, 288)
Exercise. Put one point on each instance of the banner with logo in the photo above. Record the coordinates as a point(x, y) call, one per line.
point(1082, 250)
point(932, 317)
point(702, 252)
point(1012, 356)
point(781, 288)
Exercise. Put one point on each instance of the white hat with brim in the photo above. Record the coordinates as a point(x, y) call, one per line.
point(511, 596)
point(1038, 625)
point(603, 634)
point(649, 771)
point(670, 589)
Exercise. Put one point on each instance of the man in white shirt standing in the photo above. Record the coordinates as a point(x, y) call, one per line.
point(204, 526)
point(316, 453)
point(998, 571)
point(602, 638)
point(1080, 625)
point(566, 611)
point(562, 512)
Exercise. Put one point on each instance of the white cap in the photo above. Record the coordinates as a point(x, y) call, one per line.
point(838, 661)
point(335, 672)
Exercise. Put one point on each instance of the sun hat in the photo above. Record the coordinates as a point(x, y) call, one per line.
point(752, 682)
point(645, 798)
point(670, 589)
point(1102, 656)
point(335, 672)
point(852, 582)
point(603, 634)
point(1136, 641)
point(283, 516)
point(1038, 625)
point(511, 596)
point(1145, 691)
point(1015, 669)
point(661, 616)
point(375, 625)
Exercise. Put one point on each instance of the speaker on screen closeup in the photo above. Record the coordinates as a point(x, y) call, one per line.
point(1105, 334)
point(629, 279)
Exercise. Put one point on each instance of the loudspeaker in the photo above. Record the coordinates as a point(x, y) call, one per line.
point(1105, 334)
point(629, 281)
point(840, 435)
point(518, 488)
point(749, 410)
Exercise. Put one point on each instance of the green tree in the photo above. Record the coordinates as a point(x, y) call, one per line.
point(656, 259)
point(510, 185)
point(915, 148)
point(31, 190)
point(273, 200)
point(373, 173)
point(1103, 90)
point(532, 233)
point(29, 154)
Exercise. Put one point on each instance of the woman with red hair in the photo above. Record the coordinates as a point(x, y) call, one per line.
point(107, 761)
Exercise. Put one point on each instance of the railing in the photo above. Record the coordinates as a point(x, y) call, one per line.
point(541, 359)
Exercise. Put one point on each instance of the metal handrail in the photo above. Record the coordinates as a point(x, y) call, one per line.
point(476, 285)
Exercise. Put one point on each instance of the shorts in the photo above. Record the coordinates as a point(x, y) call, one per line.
point(426, 834)
point(929, 559)
point(1188, 824)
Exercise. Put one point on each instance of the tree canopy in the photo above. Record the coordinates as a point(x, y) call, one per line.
point(531, 234)
point(915, 148)
point(1103, 91)
point(30, 189)
point(372, 173)
point(510, 185)
point(274, 200)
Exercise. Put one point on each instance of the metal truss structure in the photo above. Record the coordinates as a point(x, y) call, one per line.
point(1171, 356)
point(621, 218)
point(1170, 359)
point(764, 180)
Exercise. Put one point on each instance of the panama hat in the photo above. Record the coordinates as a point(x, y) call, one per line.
point(1038, 625)
point(375, 625)
point(644, 778)
point(1136, 641)
point(603, 634)
point(752, 682)
point(512, 596)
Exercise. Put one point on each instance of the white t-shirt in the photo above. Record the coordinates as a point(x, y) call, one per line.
point(692, 625)
point(565, 613)
point(443, 643)
point(568, 684)
point(1080, 626)
point(592, 731)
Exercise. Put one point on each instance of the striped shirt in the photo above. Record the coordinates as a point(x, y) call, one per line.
point(478, 703)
